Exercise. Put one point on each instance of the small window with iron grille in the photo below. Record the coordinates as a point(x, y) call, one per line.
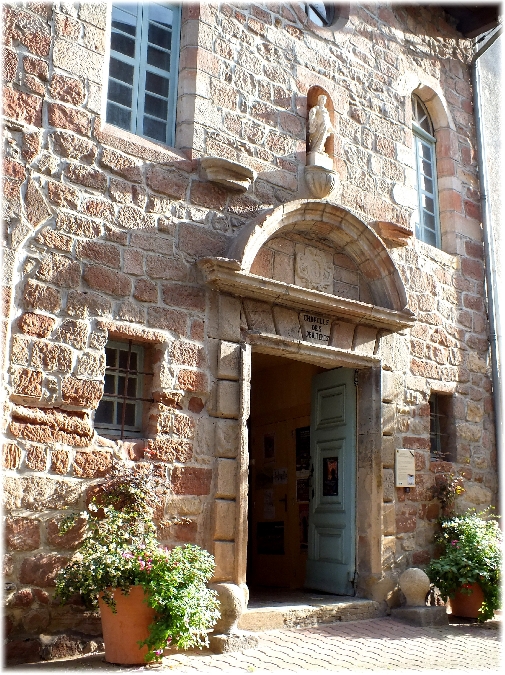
point(442, 430)
point(122, 410)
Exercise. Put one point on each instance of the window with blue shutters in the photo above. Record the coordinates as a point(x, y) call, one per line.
point(428, 222)
point(144, 53)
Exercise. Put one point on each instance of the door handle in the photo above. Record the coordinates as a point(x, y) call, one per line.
point(285, 500)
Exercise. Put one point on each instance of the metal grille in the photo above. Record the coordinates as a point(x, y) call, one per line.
point(439, 438)
point(120, 410)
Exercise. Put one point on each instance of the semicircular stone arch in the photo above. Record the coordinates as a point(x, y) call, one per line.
point(331, 229)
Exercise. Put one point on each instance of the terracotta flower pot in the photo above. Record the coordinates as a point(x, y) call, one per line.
point(467, 605)
point(123, 630)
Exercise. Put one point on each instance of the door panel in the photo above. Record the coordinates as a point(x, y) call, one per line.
point(331, 555)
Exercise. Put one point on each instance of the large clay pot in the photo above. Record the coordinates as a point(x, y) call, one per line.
point(123, 630)
point(466, 605)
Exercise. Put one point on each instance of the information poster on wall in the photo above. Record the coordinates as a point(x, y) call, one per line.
point(405, 468)
point(302, 452)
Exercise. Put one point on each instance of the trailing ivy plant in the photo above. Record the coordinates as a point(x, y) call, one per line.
point(471, 553)
point(120, 550)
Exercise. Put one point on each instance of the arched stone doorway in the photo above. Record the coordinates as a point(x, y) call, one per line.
point(317, 261)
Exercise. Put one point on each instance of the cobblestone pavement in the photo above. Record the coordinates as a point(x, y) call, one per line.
point(376, 644)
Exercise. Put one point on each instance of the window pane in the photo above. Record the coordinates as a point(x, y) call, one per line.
point(133, 361)
point(428, 204)
point(121, 71)
point(120, 93)
point(426, 151)
point(132, 387)
point(110, 357)
point(430, 238)
point(120, 117)
point(129, 418)
point(109, 386)
point(158, 58)
point(427, 184)
point(156, 106)
point(160, 14)
point(122, 44)
point(429, 221)
point(427, 168)
point(159, 36)
point(157, 84)
point(155, 129)
point(105, 412)
point(124, 18)
point(123, 359)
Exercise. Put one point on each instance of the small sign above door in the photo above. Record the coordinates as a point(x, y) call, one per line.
point(315, 328)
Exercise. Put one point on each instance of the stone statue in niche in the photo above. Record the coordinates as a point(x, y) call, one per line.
point(320, 127)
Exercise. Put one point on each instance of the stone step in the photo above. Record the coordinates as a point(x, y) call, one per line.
point(306, 611)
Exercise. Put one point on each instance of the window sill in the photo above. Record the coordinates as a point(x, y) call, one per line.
point(142, 148)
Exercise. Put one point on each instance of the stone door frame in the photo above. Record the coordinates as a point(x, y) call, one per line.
point(368, 451)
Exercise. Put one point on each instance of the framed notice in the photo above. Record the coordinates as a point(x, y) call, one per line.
point(405, 468)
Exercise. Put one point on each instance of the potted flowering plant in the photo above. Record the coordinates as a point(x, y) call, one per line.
point(470, 563)
point(120, 562)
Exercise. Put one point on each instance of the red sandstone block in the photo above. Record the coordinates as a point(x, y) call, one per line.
point(196, 405)
point(9, 65)
point(191, 480)
point(167, 319)
point(121, 164)
point(22, 534)
point(405, 524)
point(67, 89)
point(169, 450)
point(164, 267)
point(87, 176)
point(14, 169)
point(472, 269)
point(192, 380)
point(65, 26)
point(187, 297)
point(60, 461)
point(42, 569)
point(92, 464)
point(187, 354)
point(133, 218)
point(200, 242)
point(27, 382)
point(145, 291)
point(63, 195)
point(30, 30)
point(133, 262)
point(63, 117)
point(68, 145)
point(11, 456)
point(71, 539)
point(60, 270)
point(109, 281)
point(81, 392)
point(34, 84)
point(208, 195)
point(171, 183)
point(37, 67)
point(31, 145)
point(99, 208)
point(99, 252)
point(447, 144)
point(77, 225)
point(22, 107)
point(474, 249)
point(36, 459)
point(472, 210)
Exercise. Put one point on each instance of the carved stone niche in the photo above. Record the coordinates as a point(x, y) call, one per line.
point(231, 175)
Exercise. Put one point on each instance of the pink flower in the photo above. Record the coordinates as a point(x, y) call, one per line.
point(127, 555)
point(454, 542)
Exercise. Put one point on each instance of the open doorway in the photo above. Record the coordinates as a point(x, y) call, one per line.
point(279, 446)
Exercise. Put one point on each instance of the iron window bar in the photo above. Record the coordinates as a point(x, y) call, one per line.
point(124, 396)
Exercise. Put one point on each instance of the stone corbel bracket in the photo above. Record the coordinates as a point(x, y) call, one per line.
point(231, 175)
point(394, 234)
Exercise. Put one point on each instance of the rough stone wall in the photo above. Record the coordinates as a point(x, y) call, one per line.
point(104, 230)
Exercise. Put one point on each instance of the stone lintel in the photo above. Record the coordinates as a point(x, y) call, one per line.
point(310, 353)
point(225, 275)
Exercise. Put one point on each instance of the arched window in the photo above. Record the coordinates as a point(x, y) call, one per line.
point(428, 222)
point(321, 13)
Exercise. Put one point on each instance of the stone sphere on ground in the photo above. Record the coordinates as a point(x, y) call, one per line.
point(415, 585)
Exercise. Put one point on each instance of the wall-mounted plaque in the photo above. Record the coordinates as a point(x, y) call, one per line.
point(315, 328)
point(405, 466)
point(280, 476)
point(302, 452)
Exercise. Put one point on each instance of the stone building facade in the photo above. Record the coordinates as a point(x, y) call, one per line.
point(207, 268)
